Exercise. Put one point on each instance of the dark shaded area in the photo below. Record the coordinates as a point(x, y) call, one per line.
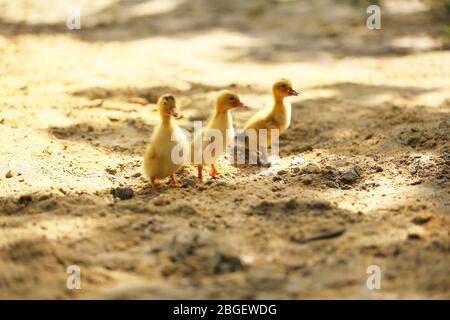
point(170, 244)
point(315, 31)
point(127, 136)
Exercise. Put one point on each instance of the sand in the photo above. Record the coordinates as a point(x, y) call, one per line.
point(363, 177)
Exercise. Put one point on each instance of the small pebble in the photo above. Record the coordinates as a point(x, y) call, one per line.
point(311, 168)
point(349, 176)
point(161, 202)
point(124, 193)
point(421, 219)
point(415, 233)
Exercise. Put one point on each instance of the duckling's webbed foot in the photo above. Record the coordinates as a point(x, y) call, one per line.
point(173, 182)
point(153, 183)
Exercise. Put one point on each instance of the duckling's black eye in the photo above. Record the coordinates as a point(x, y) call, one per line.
point(232, 99)
point(165, 103)
point(283, 86)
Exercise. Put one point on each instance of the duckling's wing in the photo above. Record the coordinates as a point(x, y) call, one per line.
point(271, 123)
point(154, 141)
point(150, 150)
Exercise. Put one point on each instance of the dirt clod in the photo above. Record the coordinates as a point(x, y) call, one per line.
point(25, 199)
point(221, 263)
point(307, 180)
point(123, 193)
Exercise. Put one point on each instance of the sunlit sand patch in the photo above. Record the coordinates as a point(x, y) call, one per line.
point(416, 43)
point(36, 12)
point(435, 99)
point(406, 6)
point(152, 7)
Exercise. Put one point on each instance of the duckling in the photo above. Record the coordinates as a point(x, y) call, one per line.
point(221, 123)
point(158, 162)
point(278, 117)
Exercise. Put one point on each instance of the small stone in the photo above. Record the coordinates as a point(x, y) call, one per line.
point(25, 199)
point(111, 171)
point(412, 142)
point(190, 182)
point(221, 263)
point(123, 193)
point(349, 176)
point(277, 178)
point(311, 168)
point(415, 182)
point(415, 233)
point(307, 181)
point(357, 170)
point(161, 201)
point(330, 173)
point(378, 169)
point(421, 219)
point(9, 174)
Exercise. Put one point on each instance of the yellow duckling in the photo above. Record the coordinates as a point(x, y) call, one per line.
point(278, 117)
point(205, 148)
point(158, 162)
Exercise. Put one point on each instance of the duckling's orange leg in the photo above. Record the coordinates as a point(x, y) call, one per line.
point(153, 182)
point(173, 181)
point(200, 173)
point(214, 171)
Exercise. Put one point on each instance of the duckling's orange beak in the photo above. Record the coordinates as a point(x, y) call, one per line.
point(241, 105)
point(173, 112)
point(293, 92)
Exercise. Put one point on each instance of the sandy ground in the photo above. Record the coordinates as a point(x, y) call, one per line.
point(366, 160)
